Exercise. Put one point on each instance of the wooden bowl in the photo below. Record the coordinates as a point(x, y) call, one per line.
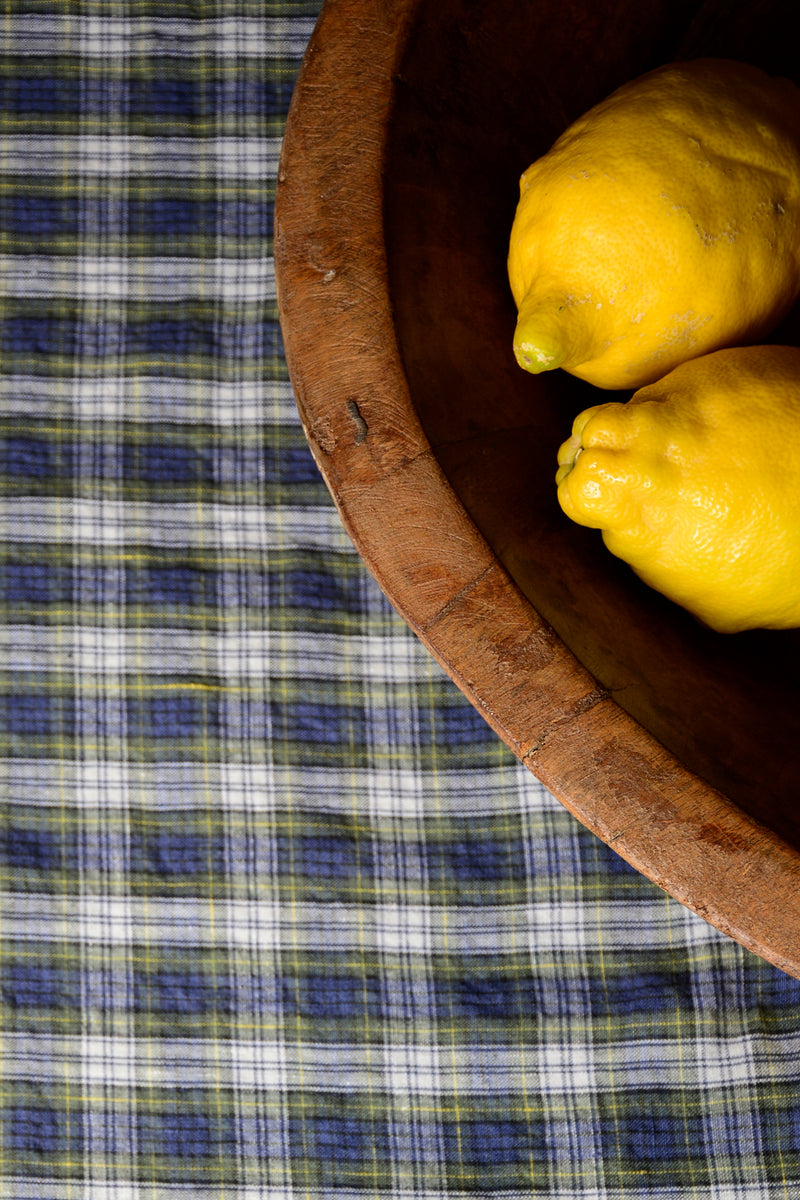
point(410, 125)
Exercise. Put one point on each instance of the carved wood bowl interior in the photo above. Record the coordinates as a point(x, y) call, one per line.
point(410, 125)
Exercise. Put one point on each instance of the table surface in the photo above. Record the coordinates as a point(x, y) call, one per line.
point(280, 916)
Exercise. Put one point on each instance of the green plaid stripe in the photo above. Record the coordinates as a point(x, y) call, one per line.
point(279, 916)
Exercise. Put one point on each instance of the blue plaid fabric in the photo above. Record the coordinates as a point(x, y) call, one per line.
point(280, 917)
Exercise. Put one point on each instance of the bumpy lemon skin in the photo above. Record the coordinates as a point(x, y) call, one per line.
point(695, 483)
point(661, 225)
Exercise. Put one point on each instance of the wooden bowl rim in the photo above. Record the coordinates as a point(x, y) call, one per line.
point(417, 540)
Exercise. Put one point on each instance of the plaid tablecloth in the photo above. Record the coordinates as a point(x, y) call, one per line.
point(280, 916)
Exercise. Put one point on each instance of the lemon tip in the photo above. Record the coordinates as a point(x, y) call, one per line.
point(535, 357)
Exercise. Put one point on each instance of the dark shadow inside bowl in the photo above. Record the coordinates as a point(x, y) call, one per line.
point(482, 90)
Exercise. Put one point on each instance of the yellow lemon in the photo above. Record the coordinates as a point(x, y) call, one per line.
point(695, 483)
point(663, 224)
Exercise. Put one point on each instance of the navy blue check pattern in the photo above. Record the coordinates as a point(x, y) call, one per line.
point(279, 915)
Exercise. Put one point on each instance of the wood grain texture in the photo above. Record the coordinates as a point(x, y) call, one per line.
point(409, 127)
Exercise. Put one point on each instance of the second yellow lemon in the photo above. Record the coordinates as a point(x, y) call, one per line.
point(662, 224)
point(695, 483)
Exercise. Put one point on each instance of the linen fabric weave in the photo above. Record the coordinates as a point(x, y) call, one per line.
point(280, 917)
